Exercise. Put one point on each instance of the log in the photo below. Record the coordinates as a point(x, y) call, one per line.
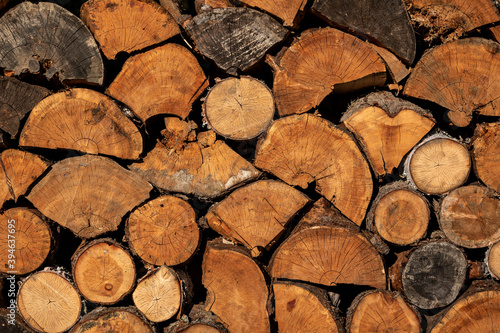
point(165, 80)
point(493, 260)
point(104, 272)
point(174, 8)
point(200, 321)
point(83, 120)
point(234, 38)
point(485, 154)
point(88, 194)
point(26, 242)
point(47, 39)
point(387, 128)
point(321, 61)
point(395, 67)
point(399, 214)
point(163, 231)
point(121, 319)
point(239, 108)
point(449, 75)
point(236, 289)
point(15, 325)
point(48, 302)
point(158, 295)
point(304, 307)
point(17, 98)
point(289, 12)
point(206, 5)
point(206, 168)
point(302, 149)
point(387, 22)
point(382, 311)
point(257, 214)
point(438, 164)
point(142, 22)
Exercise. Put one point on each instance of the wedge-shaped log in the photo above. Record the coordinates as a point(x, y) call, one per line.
point(302, 149)
point(165, 80)
point(88, 194)
point(288, 11)
point(46, 38)
point(387, 128)
point(486, 152)
point(234, 38)
point(257, 214)
point(127, 25)
point(319, 62)
point(84, 120)
point(460, 76)
point(396, 68)
point(236, 289)
point(122, 319)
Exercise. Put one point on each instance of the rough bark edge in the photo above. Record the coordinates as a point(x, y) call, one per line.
point(486, 263)
point(198, 315)
point(102, 311)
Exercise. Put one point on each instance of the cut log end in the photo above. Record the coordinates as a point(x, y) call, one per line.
point(486, 149)
point(493, 260)
point(121, 319)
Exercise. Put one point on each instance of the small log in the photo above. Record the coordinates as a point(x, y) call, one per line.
point(174, 8)
point(438, 165)
point(122, 319)
point(382, 311)
point(321, 61)
point(84, 120)
point(163, 231)
point(234, 38)
point(206, 168)
point(200, 321)
point(46, 38)
point(493, 260)
point(386, 22)
point(103, 271)
point(165, 80)
point(236, 289)
point(142, 22)
point(399, 214)
point(387, 128)
point(304, 307)
point(26, 242)
point(239, 108)
point(88, 194)
point(48, 302)
point(302, 149)
point(450, 74)
point(158, 295)
point(397, 70)
point(485, 152)
point(257, 214)
point(289, 12)
point(16, 100)
point(206, 5)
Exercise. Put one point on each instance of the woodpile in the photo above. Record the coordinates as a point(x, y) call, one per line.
point(249, 166)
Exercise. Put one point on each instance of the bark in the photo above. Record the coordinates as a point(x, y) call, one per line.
point(121, 319)
point(289, 12)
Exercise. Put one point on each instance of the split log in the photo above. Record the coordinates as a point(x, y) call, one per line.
point(236, 289)
point(163, 231)
point(48, 302)
point(46, 38)
point(122, 319)
point(493, 260)
point(382, 311)
point(486, 153)
point(234, 38)
point(206, 168)
point(19, 170)
point(206, 5)
point(257, 214)
point(397, 70)
point(239, 108)
point(386, 22)
point(387, 128)
point(174, 8)
point(302, 149)
point(16, 100)
point(438, 165)
point(399, 214)
point(165, 80)
point(158, 295)
point(470, 216)
point(88, 194)
point(319, 62)
point(305, 308)
point(26, 242)
point(83, 120)
point(450, 74)
point(142, 22)
point(103, 271)
point(289, 12)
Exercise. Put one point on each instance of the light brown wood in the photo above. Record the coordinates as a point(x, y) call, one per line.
point(84, 120)
point(397, 70)
point(165, 80)
point(48, 302)
point(493, 260)
point(163, 231)
point(200, 321)
point(486, 154)
point(122, 319)
point(127, 25)
point(88, 194)
point(239, 108)
point(205, 5)
point(302, 149)
point(289, 12)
